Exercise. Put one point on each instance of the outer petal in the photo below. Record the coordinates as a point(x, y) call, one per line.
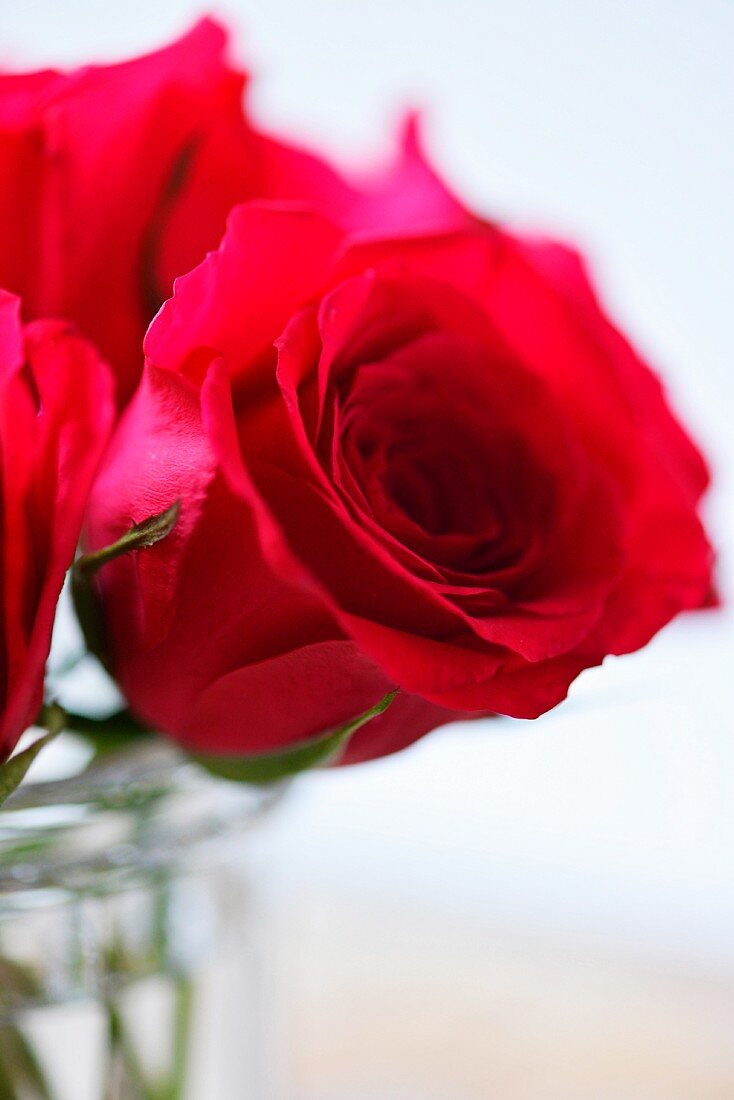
point(284, 698)
point(409, 197)
point(271, 260)
point(566, 271)
point(158, 455)
point(22, 163)
point(406, 197)
point(127, 132)
point(56, 410)
point(89, 165)
point(236, 163)
point(467, 681)
point(623, 414)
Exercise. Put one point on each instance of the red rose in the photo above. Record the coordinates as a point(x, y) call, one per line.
point(451, 475)
point(56, 411)
point(116, 179)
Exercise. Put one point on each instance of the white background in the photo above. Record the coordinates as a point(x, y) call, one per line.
point(608, 122)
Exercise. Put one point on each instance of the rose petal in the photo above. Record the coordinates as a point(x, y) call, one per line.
point(56, 410)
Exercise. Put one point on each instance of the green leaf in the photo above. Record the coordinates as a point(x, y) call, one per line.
point(141, 535)
point(107, 734)
point(268, 767)
point(13, 771)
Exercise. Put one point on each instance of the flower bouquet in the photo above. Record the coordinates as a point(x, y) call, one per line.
point(330, 462)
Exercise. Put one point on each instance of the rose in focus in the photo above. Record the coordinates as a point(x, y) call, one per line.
point(56, 411)
point(116, 179)
point(423, 462)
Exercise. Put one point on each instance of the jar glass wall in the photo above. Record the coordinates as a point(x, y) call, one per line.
point(129, 948)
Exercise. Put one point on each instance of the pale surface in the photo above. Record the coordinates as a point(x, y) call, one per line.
point(377, 1003)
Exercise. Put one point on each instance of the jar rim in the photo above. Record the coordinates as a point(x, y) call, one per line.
point(83, 774)
point(142, 803)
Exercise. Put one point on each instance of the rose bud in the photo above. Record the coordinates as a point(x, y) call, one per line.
point(115, 179)
point(426, 463)
point(56, 410)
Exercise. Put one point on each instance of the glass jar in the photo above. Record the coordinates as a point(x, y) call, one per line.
point(129, 965)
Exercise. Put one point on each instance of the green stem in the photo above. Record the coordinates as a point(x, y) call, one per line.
point(123, 1067)
point(181, 1037)
point(21, 1074)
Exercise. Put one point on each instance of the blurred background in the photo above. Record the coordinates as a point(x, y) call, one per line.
point(523, 911)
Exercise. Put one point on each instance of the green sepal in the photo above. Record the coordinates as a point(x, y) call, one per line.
point(269, 767)
point(84, 594)
point(108, 734)
point(13, 771)
point(141, 535)
point(89, 615)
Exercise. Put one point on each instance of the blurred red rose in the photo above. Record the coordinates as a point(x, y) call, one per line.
point(56, 411)
point(116, 179)
point(427, 462)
